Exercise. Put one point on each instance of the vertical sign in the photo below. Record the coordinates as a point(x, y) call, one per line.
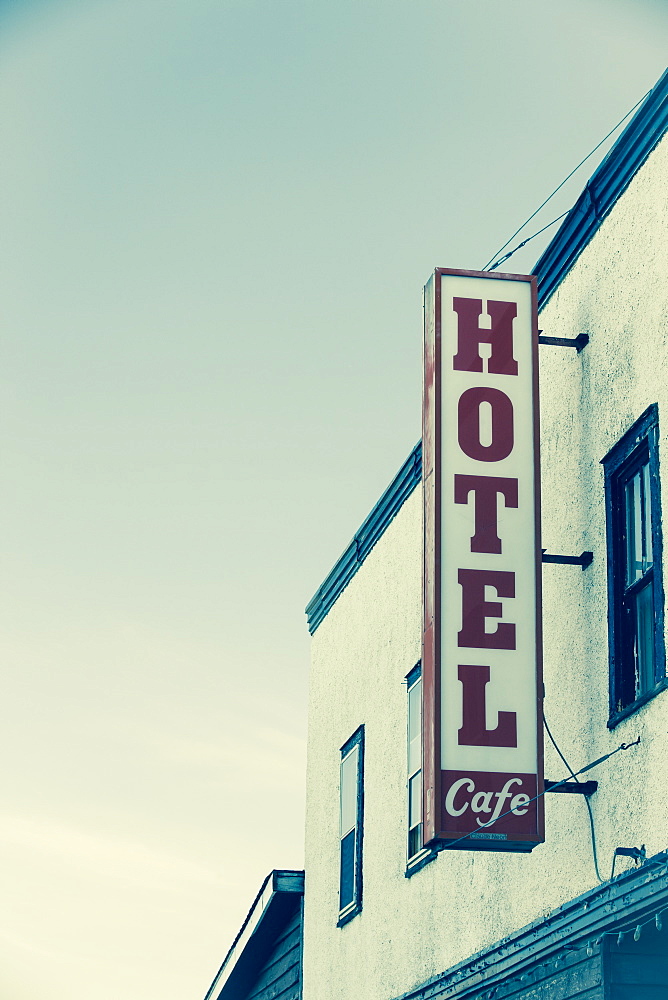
point(482, 676)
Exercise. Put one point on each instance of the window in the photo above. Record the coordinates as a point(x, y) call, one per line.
point(635, 586)
point(350, 829)
point(414, 681)
point(418, 854)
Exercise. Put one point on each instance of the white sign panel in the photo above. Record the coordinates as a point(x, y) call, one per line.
point(482, 638)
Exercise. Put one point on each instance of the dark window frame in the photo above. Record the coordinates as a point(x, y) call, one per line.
point(421, 856)
point(639, 446)
point(354, 906)
point(415, 833)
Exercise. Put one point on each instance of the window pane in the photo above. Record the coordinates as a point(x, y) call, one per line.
point(414, 755)
point(415, 727)
point(644, 640)
point(647, 507)
point(415, 800)
point(633, 530)
point(349, 791)
point(347, 884)
point(415, 840)
point(415, 710)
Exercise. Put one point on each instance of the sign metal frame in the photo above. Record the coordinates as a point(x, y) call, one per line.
point(521, 835)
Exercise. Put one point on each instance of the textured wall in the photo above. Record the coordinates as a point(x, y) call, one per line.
point(411, 929)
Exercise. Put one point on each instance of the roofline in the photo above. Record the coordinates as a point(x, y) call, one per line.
point(601, 193)
point(389, 505)
point(631, 899)
point(278, 882)
point(603, 189)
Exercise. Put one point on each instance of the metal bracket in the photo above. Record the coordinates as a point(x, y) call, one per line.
point(639, 855)
point(578, 342)
point(572, 787)
point(584, 559)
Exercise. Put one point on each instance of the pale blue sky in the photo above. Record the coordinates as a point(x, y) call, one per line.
point(217, 219)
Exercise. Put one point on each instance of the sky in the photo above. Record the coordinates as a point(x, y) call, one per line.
point(217, 217)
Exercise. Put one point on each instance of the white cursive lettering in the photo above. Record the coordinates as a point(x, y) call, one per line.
point(481, 802)
point(452, 791)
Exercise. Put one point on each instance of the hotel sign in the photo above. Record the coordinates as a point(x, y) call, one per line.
point(482, 563)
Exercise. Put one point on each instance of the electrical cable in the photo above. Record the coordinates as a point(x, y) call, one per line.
point(599, 760)
point(586, 798)
point(527, 240)
point(574, 170)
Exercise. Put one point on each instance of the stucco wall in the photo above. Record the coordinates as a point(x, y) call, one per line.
point(411, 929)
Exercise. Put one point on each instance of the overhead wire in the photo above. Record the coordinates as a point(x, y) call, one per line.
point(448, 845)
point(527, 240)
point(559, 187)
point(586, 798)
point(494, 262)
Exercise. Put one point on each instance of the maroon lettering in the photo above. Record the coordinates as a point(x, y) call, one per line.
point(468, 422)
point(485, 490)
point(474, 732)
point(476, 610)
point(470, 336)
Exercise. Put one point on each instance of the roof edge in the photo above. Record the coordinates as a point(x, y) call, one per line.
point(603, 189)
point(389, 505)
point(632, 898)
point(280, 881)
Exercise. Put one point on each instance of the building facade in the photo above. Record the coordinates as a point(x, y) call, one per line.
point(387, 917)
